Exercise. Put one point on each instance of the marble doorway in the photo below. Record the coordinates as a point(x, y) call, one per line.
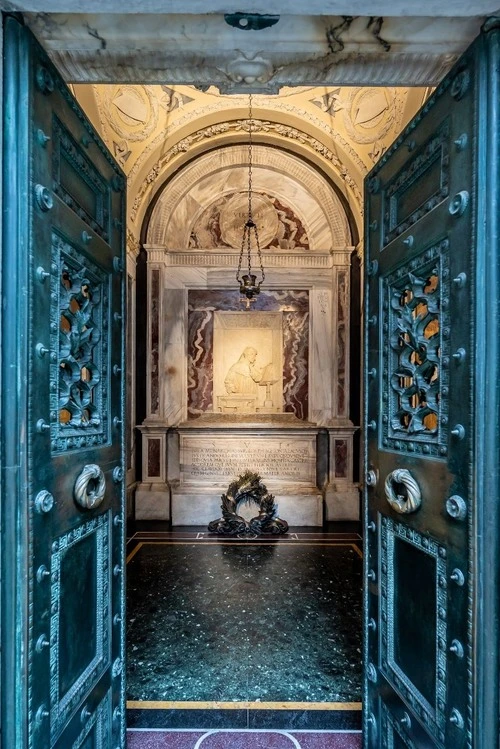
point(181, 260)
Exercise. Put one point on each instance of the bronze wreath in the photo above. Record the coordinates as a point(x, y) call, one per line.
point(247, 489)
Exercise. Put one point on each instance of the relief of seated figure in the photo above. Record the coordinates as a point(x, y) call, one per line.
point(244, 375)
point(242, 383)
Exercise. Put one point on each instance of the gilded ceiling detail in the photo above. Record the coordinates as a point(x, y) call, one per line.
point(242, 125)
point(151, 128)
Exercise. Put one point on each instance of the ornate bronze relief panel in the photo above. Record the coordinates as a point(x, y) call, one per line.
point(416, 354)
point(80, 574)
point(96, 731)
point(393, 732)
point(419, 187)
point(79, 374)
point(77, 181)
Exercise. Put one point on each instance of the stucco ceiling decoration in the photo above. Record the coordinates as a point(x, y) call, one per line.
point(130, 111)
point(224, 103)
point(203, 50)
point(205, 204)
point(144, 191)
point(368, 114)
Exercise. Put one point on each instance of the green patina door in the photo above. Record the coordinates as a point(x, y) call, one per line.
point(62, 416)
point(431, 414)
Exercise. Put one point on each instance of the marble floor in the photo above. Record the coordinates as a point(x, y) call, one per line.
point(144, 739)
point(244, 634)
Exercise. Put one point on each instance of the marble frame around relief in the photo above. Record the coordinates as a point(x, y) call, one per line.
point(294, 312)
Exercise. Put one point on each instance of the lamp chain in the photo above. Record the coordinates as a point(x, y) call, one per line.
point(246, 242)
point(250, 222)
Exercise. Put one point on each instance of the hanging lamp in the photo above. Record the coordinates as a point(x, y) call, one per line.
point(249, 286)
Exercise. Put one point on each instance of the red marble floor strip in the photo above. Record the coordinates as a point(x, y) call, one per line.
point(220, 739)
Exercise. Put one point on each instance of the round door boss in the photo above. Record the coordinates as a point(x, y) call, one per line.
point(90, 487)
point(402, 491)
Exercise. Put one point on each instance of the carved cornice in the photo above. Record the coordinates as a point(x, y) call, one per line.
point(259, 126)
point(227, 259)
point(229, 73)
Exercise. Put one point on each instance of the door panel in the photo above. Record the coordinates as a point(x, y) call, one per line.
point(423, 505)
point(68, 208)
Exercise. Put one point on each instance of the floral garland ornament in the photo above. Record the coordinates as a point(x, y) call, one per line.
point(247, 489)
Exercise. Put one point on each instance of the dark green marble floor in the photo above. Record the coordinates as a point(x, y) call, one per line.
point(275, 622)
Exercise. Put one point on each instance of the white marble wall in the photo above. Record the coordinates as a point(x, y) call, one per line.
point(323, 355)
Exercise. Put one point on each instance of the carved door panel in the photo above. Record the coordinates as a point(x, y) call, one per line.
point(431, 406)
point(62, 431)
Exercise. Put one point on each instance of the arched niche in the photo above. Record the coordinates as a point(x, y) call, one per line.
point(211, 184)
point(295, 132)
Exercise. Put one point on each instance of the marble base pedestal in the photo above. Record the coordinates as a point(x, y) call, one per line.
point(203, 506)
point(152, 502)
point(342, 503)
point(214, 450)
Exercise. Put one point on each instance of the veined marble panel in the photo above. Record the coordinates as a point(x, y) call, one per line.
point(294, 309)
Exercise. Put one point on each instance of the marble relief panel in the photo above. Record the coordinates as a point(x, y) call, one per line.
point(220, 224)
point(294, 309)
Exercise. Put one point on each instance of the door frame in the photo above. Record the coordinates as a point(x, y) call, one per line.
point(487, 474)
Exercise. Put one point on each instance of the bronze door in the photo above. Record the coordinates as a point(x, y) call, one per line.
point(431, 414)
point(62, 416)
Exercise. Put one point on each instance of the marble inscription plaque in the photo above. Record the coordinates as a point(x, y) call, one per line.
point(221, 460)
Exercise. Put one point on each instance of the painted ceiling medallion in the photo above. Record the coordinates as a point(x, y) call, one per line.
point(234, 214)
point(131, 106)
point(131, 111)
point(370, 113)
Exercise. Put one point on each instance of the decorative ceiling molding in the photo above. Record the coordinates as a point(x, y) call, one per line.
point(222, 105)
point(133, 244)
point(130, 111)
point(145, 190)
point(218, 175)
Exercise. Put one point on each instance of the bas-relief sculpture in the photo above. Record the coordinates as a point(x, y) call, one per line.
point(244, 375)
point(248, 366)
point(241, 383)
point(220, 224)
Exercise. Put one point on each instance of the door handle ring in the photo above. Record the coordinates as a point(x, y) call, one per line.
point(407, 502)
point(90, 487)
